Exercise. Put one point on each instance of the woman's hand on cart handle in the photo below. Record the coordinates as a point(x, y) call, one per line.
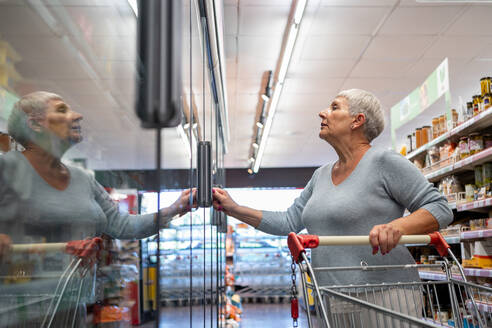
point(384, 237)
point(5, 245)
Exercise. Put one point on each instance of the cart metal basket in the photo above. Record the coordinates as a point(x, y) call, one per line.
point(451, 302)
point(22, 305)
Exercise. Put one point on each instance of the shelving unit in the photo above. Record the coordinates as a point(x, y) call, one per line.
point(460, 166)
point(481, 121)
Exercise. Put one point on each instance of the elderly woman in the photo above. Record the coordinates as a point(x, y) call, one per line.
point(364, 192)
point(44, 200)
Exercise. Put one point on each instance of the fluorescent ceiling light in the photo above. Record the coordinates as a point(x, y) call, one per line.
point(185, 139)
point(301, 5)
point(289, 48)
point(133, 5)
point(268, 125)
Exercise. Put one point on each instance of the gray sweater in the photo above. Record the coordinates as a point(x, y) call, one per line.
point(379, 189)
point(33, 211)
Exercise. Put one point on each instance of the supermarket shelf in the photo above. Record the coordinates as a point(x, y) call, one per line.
point(480, 121)
point(474, 205)
point(478, 272)
point(482, 306)
point(475, 234)
point(438, 276)
point(464, 164)
point(453, 205)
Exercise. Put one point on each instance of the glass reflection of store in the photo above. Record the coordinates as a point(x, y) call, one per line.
point(66, 265)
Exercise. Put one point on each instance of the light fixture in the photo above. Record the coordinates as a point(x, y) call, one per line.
point(255, 145)
point(265, 97)
point(133, 5)
point(184, 138)
point(259, 124)
point(251, 159)
point(284, 61)
point(250, 171)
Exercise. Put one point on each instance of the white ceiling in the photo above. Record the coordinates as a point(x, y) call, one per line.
point(385, 46)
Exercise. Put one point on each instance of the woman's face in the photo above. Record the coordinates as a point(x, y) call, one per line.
point(62, 121)
point(335, 120)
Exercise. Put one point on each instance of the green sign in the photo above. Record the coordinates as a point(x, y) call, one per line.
point(435, 86)
point(7, 101)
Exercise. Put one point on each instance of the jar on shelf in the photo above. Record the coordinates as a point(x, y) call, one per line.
point(487, 140)
point(409, 144)
point(426, 134)
point(487, 101)
point(454, 118)
point(469, 110)
point(469, 193)
point(434, 155)
point(477, 104)
point(478, 176)
point(418, 137)
point(475, 143)
point(442, 125)
point(463, 147)
point(485, 84)
point(487, 173)
point(435, 128)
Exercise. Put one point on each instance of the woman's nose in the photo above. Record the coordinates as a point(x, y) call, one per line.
point(77, 116)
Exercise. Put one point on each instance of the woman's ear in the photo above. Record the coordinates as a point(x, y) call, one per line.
point(359, 119)
point(34, 125)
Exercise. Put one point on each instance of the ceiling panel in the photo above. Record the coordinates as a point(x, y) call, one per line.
point(32, 24)
point(419, 20)
point(263, 21)
point(377, 68)
point(304, 103)
point(230, 20)
point(378, 86)
point(347, 20)
point(230, 46)
point(114, 48)
point(358, 2)
point(461, 47)
point(311, 86)
point(247, 104)
point(250, 86)
point(252, 68)
point(475, 21)
point(336, 68)
point(51, 70)
point(397, 48)
point(101, 21)
point(260, 47)
point(334, 47)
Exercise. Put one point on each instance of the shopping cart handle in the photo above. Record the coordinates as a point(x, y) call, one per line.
point(298, 243)
point(80, 248)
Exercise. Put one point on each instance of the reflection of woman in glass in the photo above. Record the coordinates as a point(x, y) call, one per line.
point(44, 200)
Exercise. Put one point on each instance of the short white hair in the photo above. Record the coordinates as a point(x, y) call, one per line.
point(32, 105)
point(361, 101)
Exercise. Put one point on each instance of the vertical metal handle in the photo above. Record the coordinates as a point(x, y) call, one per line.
point(204, 174)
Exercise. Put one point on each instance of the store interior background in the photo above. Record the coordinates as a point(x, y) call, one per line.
point(85, 51)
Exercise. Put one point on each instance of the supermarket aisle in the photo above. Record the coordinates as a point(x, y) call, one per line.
point(255, 315)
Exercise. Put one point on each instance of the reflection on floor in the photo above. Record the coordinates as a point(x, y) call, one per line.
point(255, 315)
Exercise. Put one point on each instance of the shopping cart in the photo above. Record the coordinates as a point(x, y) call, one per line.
point(450, 302)
point(21, 305)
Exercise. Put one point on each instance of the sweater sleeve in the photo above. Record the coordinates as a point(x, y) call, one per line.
point(406, 185)
point(123, 225)
point(282, 223)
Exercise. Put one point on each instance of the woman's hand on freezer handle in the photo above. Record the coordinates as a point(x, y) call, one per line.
point(182, 205)
point(222, 201)
point(5, 245)
point(384, 237)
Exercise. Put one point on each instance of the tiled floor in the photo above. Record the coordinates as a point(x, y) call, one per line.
point(254, 316)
